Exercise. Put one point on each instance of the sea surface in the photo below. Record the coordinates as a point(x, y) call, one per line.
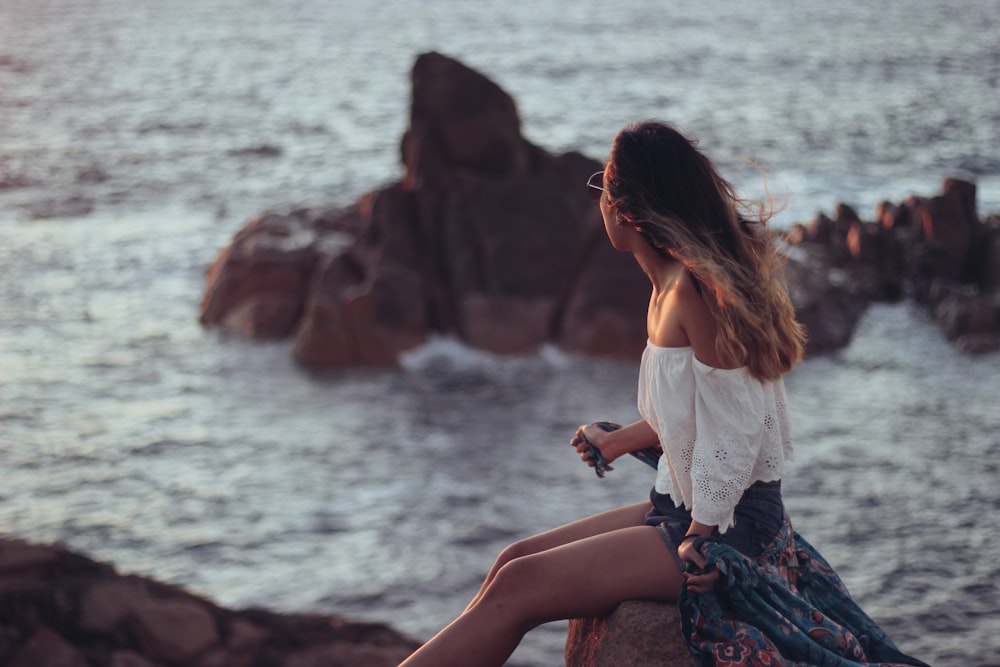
point(136, 137)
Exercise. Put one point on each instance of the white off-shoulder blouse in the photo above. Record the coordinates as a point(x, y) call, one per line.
point(721, 430)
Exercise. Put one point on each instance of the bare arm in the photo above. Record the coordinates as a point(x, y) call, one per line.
point(614, 444)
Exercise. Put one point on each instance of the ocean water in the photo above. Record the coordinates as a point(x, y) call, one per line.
point(137, 137)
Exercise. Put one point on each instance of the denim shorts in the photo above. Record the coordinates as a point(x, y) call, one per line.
point(758, 517)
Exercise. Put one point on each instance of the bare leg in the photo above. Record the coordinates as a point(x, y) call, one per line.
point(585, 577)
point(605, 522)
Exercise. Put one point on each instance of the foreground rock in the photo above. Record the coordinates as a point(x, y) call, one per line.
point(492, 240)
point(61, 609)
point(636, 634)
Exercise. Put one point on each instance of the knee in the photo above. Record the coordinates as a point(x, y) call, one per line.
point(511, 592)
point(512, 552)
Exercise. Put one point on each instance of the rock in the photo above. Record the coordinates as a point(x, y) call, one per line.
point(487, 238)
point(636, 634)
point(492, 240)
point(461, 120)
point(604, 315)
point(990, 279)
point(20, 562)
point(950, 226)
point(47, 649)
point(106, 604)
point(174, 631)
point(62, 609)
point(935, 249)
point(367, 301)
point(128, 659)
point(963, 312)
point(827, 301)
point(976, 344)
point(257, 284)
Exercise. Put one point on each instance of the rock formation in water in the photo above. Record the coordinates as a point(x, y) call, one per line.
point(487, 238)
point(935, 250)
point(63, 609)
point(492, 240)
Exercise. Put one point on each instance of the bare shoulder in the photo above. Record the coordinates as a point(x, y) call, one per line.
point(698, 322)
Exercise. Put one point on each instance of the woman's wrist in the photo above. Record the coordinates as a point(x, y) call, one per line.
point(617, 441)
point(697, 529)
point(598, 437)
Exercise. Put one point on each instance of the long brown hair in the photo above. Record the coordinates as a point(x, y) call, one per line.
point(661, 183)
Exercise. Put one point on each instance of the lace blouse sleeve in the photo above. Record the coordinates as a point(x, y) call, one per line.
point(729, 416)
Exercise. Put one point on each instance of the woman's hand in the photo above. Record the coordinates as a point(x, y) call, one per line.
point(698, 581)
point(597, 436)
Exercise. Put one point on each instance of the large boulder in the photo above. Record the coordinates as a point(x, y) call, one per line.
point(487, 238)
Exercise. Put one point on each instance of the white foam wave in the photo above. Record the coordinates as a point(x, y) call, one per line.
point(442, 352)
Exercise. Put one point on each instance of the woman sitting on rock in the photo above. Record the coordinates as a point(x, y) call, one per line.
point(714, 534)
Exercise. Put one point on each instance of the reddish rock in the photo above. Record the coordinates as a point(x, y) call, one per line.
point(257, 284)
point(636, 634)
point(505, 324)
point(604, 315)
point(950, 227)
point(831, 235)
point(461, 120)
point(488, 238)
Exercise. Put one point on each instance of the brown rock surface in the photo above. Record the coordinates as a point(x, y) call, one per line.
point(636, 634)
point(61, 609)
point(487, 238)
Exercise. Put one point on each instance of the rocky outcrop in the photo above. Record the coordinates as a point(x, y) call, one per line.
point(487, 238)
point(636, 634)
point(492, 240)
point(63, 609)
point(934, 249)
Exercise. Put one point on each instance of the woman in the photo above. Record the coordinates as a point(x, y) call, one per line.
point(722, 333)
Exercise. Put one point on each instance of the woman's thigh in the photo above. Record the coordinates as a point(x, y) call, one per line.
point(597, 524)
point(586, 577)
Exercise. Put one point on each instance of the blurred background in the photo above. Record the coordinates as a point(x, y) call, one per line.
point(137, 137)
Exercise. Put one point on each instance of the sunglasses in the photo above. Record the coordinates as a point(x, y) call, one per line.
point(595, 185)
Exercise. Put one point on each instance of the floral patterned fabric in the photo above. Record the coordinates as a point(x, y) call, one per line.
point(785, 608)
